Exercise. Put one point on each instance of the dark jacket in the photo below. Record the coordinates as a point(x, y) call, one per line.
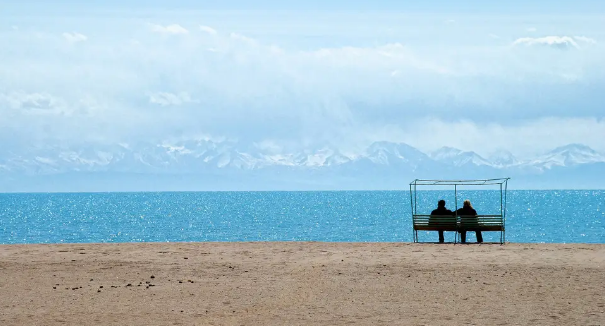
point(466, 221)
point(442, 211)
point(466, 211)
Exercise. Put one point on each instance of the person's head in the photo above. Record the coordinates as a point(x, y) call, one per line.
point(441, 203)
point(467, 203)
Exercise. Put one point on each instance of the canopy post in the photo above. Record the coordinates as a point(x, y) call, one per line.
point(416, 204)
point(456, 197)
point(504, 217)
point(413, 213)
point(456, 210)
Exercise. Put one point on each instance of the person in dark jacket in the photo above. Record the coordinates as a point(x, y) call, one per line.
point(441, 210)
point(468, 211)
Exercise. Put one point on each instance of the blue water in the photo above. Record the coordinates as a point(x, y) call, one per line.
point(369, 216)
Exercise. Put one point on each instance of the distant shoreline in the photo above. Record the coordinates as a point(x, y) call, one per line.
point(285, 190)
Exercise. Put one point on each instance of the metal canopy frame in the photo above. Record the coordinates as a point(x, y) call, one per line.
point(501, 182)
point(477, 182)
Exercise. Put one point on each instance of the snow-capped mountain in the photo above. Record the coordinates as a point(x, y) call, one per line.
point(503, 158)
point(569, 155)
point(456, 157)
point(379, 163)
point(192, 156)
point(319, 158)
point(386, 153)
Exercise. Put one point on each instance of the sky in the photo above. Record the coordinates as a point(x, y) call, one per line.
point(521, 76)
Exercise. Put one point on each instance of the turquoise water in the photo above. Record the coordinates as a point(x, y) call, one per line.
point(370, 216)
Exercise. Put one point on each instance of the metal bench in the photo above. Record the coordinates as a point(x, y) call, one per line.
point(458, 223)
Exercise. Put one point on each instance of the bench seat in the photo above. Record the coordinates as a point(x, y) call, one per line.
point(459, 223)
point(436, 228)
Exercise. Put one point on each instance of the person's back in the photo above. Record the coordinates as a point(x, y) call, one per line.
point(466, 211)
point(468, 219)
point(440, 211)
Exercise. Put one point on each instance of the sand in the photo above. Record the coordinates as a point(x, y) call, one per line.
point(302, 283)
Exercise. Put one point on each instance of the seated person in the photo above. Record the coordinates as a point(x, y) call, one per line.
point(468, 210)
point(441, 210)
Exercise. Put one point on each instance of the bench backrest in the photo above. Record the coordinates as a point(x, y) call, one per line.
point(435, 222)
point(465, 222)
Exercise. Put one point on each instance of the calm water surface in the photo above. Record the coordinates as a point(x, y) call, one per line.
point(371, 216)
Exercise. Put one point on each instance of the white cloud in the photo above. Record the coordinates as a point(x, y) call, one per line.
point(169, 99)
point(556, 42)
point(341, 89)
point(169, 29)
point(74, 37)
point(34, 101)
point(585, 39)
point(41, 104)
point(208, 30)
point(242, 38)
point(559, 42)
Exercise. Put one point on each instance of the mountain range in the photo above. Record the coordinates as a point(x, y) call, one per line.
point(229, 165)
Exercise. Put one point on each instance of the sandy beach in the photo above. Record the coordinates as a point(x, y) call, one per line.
point(302, 283)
